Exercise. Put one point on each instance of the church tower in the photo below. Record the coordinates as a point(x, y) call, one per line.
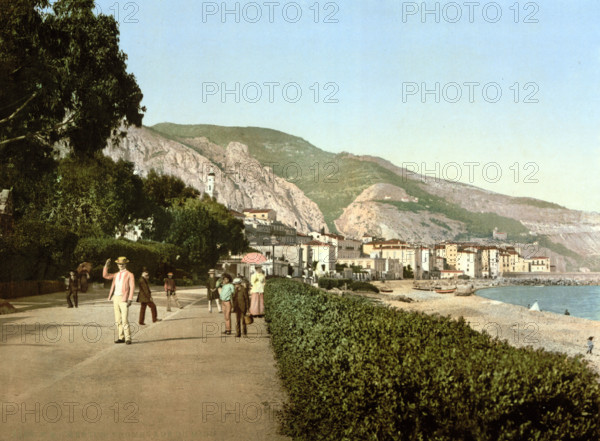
point(210, 185)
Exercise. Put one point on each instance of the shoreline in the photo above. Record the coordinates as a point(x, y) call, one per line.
point(515, 324)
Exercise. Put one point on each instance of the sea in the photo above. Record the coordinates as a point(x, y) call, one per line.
point(580, 301)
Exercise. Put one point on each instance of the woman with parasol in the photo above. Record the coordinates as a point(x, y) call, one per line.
point(83, 274)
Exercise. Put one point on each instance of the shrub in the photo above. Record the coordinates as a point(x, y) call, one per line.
point(326, 283)
point(355, 371)
point(363, 286)
point(157, 257)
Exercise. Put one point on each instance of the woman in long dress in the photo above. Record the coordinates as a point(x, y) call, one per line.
point(257, 304)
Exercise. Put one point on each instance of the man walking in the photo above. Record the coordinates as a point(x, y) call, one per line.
point(241, 304)
point(121, 293)
point(145, 298)
point(212, 292)
point(171, 291)
point(72, 289)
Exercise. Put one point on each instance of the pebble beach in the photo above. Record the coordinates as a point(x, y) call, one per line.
point(517, 325)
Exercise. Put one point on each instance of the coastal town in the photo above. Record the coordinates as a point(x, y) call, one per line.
point(288, 252)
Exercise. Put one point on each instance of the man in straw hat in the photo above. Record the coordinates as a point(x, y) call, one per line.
point(212, 292)
point(121, 293)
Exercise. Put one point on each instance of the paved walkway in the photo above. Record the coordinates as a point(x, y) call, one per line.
point(63, 378)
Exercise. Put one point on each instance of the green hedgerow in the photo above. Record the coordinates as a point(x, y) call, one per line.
point(355, 371)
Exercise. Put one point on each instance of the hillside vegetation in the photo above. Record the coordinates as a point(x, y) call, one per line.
point(335, 181)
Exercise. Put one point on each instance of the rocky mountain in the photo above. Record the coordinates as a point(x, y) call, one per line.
point(354, 195)
point(240, 181)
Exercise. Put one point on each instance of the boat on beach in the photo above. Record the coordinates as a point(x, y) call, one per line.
point(445, 290)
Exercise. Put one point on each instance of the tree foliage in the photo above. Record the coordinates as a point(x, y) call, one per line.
point(96, 198)
point(204, 228)
point(166, 190)
point(62, 76)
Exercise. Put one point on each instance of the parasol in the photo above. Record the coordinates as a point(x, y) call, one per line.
point(84, 266)
point(254, 258)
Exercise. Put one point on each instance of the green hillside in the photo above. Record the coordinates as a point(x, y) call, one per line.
point(334, 181)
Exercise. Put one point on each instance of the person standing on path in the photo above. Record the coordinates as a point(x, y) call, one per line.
point(171, 292)
point(257, 304)
point(145, 298)
point(121, 293)
point(72, 289)
point(241, 304)
point(212, 292)
point(227, 290)
point(590, 345)
point(83, 274)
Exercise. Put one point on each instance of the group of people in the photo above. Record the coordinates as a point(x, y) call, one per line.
point(237, 295)
point(243, 297)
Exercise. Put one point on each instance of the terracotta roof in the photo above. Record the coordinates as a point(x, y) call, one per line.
point(317, 243)
point(251, 210)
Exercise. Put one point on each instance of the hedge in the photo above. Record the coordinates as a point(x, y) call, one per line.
point(355, 371)
point(13, 290)
point(157, 257)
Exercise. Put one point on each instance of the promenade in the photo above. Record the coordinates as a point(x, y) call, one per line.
point(63, 378)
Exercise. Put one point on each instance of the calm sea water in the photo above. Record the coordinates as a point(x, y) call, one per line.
point(581, 301)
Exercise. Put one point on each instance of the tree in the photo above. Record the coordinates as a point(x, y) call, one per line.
point(96, 198)
point(205, 229)
point(63, 83)
point(63, 76)
point(165, 190)
point(407, 272)
point(63, 88)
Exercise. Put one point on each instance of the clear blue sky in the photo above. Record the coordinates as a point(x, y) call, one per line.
point(181, 50)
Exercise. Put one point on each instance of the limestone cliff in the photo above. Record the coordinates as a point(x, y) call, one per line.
point(241, 181)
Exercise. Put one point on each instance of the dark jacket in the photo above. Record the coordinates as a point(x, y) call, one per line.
point(83, 280)
point(211, 288)
point(73, 285)
point(145, 295)
point(240, 300)
point(170, 285)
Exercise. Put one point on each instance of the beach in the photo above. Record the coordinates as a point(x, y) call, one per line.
point(515, 324)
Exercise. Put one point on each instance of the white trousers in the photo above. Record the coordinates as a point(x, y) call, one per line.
point(121, 317)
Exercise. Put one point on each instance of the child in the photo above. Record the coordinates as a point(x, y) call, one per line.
point(72, 288)
point(227, 290)
point(590, 345)
point(171, 291)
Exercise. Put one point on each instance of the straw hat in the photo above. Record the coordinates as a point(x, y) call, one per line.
point(211, 271)
point(122, 259)
point(169, 274)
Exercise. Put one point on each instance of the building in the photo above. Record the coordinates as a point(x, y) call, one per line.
point(268, 232)
point(499, 235)
point(540, 264)
point(450, 274)
point(424, 261)
point(451, 254)
point(469, 262)
point(265, 214)
point(345, 248)
point(210, 185)
point(490, 262)
point(372, 267)
point(321, 255)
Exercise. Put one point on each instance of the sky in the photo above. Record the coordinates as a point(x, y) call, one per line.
point(502, 95)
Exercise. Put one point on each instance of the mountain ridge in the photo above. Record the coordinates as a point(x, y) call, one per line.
point(338, 186)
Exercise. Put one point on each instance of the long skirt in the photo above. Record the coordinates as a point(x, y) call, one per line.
point(257, 303)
